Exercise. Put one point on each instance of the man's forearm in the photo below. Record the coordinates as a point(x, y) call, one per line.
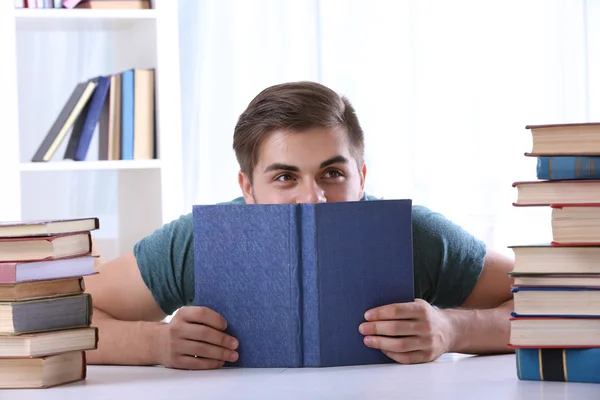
point(480, 331)
point(124, 342)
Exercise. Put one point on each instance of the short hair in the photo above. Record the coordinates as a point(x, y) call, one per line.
point(295, 106)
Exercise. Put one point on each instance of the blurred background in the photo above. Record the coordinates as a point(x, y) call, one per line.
point(443, 91)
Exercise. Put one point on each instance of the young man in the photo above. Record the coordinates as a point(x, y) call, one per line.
point(301, 142)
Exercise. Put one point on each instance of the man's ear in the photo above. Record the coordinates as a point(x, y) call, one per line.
point(363, 178)
point(246, 187)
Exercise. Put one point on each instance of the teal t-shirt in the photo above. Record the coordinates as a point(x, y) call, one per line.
point(447, 260)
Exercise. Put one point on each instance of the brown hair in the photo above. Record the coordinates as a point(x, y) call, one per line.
point(295, 106)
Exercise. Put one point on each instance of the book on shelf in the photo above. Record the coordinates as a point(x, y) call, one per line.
point(85, 4)
point(114, 4)
point(119, 108)
point(293, 281)
point(45, 313)
point(556, 289)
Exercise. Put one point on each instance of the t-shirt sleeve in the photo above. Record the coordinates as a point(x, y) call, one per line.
point(448, 260)
point(166, 262)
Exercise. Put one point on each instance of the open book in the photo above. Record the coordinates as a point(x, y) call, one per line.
point(293, 281)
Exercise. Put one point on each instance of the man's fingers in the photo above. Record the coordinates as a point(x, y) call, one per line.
point(396, 345)
point(205, 350)
point(412, 310)
point(203, 315)
point(193, 363)
point(207, 334)
point(392, 328)
point(412, 357)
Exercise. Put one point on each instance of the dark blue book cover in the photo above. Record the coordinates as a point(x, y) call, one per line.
point(294, 281)
point(559, 365)
point(92, 117)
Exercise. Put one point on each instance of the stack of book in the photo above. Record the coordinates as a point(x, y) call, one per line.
point(45, 316)
point(555, 327)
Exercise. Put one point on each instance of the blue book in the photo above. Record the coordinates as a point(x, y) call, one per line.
point(127, 114)
point(94, 109)
point(293, 281)
point(565, 167)
point(580, 365)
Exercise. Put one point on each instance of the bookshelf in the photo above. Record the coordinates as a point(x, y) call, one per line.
point(45, 53)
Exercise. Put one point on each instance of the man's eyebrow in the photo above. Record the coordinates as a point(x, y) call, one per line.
point(293, 168)
point(281, 167)
point(334, 160)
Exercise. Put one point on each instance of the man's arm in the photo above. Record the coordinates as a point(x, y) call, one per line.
point(130, 328)
point(127, 317)
point(482, 324)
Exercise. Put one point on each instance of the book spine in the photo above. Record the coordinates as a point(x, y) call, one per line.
point(558, 365)
point(296, 284)
point(310, 287)
point(127, 114)
point(555, 168)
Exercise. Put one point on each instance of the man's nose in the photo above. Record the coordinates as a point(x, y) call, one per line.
point(311, 193)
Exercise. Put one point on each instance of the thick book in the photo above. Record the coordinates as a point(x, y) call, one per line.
point(545, 258)
point(293, 281)
point(15, 272)
point(40, 248)
point(576, 225)
point(48, 343)
point(47, 227)
point(565, 192)
point(559, 365)
point(556, 302)
point(44, 315)
point(42, 289)
point(571, 139)
point(552, 332)
point(43, 372)
point(559, 168)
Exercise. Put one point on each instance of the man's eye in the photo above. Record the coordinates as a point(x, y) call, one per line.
point(333, 173)
point(284, 178)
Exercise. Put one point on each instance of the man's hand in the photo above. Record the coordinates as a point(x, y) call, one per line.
point(194, 339)
point(408, 333)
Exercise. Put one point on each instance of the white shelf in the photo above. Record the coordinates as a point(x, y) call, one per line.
point(45, 53)
point(68, 165)
point(77, 19)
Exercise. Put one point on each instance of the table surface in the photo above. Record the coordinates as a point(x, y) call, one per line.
point(450, 377)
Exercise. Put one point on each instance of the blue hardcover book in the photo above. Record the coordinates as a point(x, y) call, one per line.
point(567, 167)
point(580, 365)
point(94, 109)
point(293, 281)
point(127, 114)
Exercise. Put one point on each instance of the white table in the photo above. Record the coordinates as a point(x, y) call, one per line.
point(450, 377)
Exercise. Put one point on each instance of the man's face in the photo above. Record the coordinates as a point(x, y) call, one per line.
point(313, 166)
